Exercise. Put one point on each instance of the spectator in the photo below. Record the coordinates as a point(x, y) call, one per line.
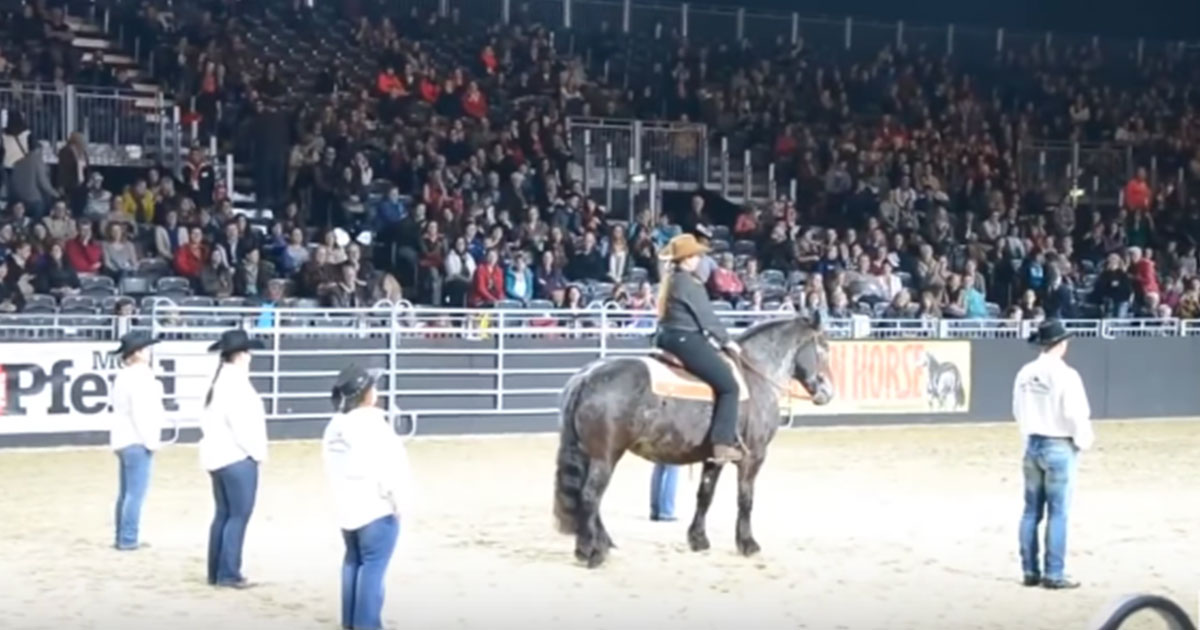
point(30, 183)
point(20, 266)
point(190, 258)
point(1189, 301)
point(138, 202)
point(120, 255)
point(253, 274)
point(1137, 192)
point(347, 292)
point(295, 255)
point(1113, 289)
point(98, 200)
point(56, 276)
point(587, 263)
point(618, 255)
point(779, 253)
point(269, 303)
point(12, 297)
point(317, 276)
point(169, 236)
point(901, 306)
point(1029, 306)
point(59, 225)
point(724, 283)
point(432, 252)
point(549, 277)
point(389, 214)
point(460, 271)
point(17, 220)
point(84, 254)
point(72, 164)
point(518, 280)
point(199, 177)
point(216, 278)
point(1142, 272)
point(488, 286)
point(1059, 297)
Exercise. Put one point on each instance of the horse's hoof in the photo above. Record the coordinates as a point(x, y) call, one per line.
point(698, 542)
point(748, 547)
point(596, 560)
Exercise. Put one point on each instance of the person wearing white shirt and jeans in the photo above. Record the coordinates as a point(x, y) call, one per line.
point(367, 468)
point(135, 434)
point(233, 446)
point(1052, 412)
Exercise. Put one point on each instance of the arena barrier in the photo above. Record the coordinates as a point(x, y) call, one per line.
point(500, 371)
point(1113, 617)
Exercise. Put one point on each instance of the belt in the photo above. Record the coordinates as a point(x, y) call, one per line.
point(1050, 437)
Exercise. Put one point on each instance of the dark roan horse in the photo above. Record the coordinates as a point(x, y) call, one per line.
point(609, 408)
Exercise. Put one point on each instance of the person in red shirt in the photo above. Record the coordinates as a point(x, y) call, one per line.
point(388, 81)
point(488, 285)
point(1144, 273)
point(488, 59)
point(724, 283)
point(1137, 192)
point(191, 256)
point(474, 103)
point(429, 89)
point(83, 253)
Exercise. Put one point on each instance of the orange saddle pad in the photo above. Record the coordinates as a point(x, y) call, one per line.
point(672, 381)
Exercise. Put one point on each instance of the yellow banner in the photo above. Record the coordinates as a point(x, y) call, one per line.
point(894, 377)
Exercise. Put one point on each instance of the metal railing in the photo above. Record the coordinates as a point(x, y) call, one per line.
point(121, 127)
point(597, 321)
point(448, 363)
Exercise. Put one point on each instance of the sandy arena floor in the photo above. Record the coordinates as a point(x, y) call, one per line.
point(861, 529)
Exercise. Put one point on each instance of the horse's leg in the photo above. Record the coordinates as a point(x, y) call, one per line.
point(747, 472)
point(592, 542)
point(697, 538)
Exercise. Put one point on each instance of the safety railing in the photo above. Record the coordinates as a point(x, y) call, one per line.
point(121, 127)
point(452, 364)
point(404, 320)
point(825, 34)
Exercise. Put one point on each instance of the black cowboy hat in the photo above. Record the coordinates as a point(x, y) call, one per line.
point(235, 341)
point(352, 381)
point(1049, 332)
point(132, 342)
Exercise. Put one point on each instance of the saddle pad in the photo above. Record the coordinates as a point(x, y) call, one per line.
point(670, 382)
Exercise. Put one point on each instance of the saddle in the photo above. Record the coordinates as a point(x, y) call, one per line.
point(669, 379)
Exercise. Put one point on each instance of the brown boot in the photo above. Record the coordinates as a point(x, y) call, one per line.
point(725, 454)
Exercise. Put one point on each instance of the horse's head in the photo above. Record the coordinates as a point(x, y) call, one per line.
point(811, 363)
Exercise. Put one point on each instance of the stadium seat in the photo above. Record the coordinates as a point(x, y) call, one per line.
point(103, 284)
point(79, 303)
point(745, 247)
point(41, 301)
point(173, 284)
point(136, 285)
point(773, 278)
point(509, 305)
point(637, 275)
point(197, 302)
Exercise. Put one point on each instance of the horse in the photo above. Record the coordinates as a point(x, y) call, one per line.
point(944, 384)
point(614, 405)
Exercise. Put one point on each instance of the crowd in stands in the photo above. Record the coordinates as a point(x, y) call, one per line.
point(435, 164)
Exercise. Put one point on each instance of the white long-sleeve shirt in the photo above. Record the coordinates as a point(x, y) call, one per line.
point(1049, 400)
point(367, 467)
point(138, 414)
point(234, 426)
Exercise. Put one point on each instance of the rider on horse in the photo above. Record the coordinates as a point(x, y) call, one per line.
point(688, 328)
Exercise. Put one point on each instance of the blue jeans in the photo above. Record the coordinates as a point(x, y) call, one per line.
point(368, 551)
point(1049, 480)
point(135, 463)
point(234, 489)
point(662, 491)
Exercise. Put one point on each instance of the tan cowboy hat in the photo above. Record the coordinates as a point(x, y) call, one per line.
point(681, 247)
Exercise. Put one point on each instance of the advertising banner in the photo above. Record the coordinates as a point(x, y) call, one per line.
point(894, 377)
point(63, 387)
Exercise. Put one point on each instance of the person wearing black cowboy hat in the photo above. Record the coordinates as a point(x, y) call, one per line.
point(367, 468)
point(232, 447)
point(136, 432)
point(1052, 412)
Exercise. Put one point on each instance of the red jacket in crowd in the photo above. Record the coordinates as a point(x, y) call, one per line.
point(430, 90)
point(475, 104)
point(488, 287)
point(190, 263)
point(1137, 194)
point(387, 82)
point(83, 258)
point(1145, 276)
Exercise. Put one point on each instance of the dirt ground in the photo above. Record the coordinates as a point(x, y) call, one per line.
point(860, 528)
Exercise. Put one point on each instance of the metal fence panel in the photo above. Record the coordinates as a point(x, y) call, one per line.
point(674, 152)
point(43, 108)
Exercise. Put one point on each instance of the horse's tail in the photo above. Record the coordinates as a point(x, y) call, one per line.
point(572, 469)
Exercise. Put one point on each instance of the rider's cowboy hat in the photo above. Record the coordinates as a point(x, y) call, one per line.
point(352, 381)
point(681, 247)
point(132, 342)
point(235, 341)
point(1049, 332)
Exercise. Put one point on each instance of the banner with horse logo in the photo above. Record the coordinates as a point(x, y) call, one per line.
point(894, 377)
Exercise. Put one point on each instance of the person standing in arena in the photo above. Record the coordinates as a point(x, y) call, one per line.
point(136, 432)
point(663, 482)
point(233, 446)
point(1052, 412)
point(367, 468)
